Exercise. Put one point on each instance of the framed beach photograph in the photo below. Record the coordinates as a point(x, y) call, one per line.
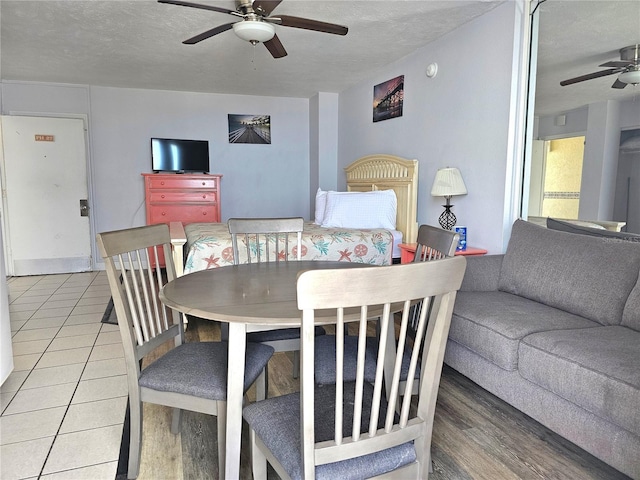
point(387, 99)
point(249, 129)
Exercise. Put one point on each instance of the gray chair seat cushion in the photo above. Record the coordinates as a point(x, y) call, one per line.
point(277, 422)
point(325, 360)
point(279, 334)
point(492, 324)
point(200, 369)
point(596, 368)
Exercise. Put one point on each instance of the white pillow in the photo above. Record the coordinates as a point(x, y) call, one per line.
point(361, 210)
point(321, 203)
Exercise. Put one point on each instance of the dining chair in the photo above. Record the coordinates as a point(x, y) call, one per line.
point(265, 240)
point(433, 243)
point(349, 429)
point(191, 375)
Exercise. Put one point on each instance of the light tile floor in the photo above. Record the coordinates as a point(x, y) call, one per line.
point(63, 405)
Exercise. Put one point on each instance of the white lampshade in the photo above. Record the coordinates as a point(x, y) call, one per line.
point(632, 77)
point(448, 182)
point(254, 31)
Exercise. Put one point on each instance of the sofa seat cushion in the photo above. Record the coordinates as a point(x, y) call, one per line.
point(492, 324)
point(588, 276)
point(595, 368)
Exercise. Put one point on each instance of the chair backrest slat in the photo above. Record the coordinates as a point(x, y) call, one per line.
point(379, 378)
point(363, 294)
point(394, 388)
point(148, 316)
point(270, 232)
point(433, 243)
point(339, 376)
point(132, 262)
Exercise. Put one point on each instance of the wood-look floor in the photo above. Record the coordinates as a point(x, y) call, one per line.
point(476, 435)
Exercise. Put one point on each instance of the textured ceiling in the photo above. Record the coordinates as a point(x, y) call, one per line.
point(575, 37)
point(137, 44)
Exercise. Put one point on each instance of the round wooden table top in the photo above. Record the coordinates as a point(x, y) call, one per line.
point(257, 293)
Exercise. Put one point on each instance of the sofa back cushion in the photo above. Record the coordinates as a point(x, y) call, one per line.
point(594, 232)
point(631, 313)
point(589, 276)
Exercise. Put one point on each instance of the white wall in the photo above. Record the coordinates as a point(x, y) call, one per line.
point(601, 123)
point(323, 140)
point(6, 349)
point(122, 121)
point(462, 117)
point(576, 121)
point(600, 163)
point(458, 118)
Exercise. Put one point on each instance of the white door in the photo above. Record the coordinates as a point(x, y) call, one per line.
point(45, 172)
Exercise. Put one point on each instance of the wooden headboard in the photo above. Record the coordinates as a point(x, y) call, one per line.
point(384, 172)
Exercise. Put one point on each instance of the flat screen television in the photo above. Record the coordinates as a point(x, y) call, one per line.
point(174, 155)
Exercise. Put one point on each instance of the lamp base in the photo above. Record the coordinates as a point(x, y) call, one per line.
point(447, 219)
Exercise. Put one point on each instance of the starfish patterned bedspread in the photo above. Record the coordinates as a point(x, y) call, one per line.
point(209, 245)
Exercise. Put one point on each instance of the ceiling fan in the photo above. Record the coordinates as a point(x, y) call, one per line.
point(628, 67)
point(257, 25)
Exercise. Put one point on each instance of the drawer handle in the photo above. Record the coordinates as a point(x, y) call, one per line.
point(203, 183)
point(161, 196)
point(204, 213)
point(204, 196)
point(163, 214)
point(162, 183)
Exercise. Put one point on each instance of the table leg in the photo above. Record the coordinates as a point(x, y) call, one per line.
point(235, 387)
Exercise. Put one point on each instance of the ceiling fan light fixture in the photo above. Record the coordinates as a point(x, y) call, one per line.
point(632, 77)
point(254, 31)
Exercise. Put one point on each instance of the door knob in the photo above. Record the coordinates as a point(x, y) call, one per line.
point(84, 208)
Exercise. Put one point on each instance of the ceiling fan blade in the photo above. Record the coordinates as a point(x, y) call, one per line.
point(589, 76)
point(198, 5)
point(265, 7)
point(208, 34)
point(616, 64)
point(275, 47)
point(618, 84)
point(307, 24)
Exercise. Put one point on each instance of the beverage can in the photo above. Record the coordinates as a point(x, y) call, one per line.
point(462, 241)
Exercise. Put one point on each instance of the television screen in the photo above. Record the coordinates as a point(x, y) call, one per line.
point(173, 155)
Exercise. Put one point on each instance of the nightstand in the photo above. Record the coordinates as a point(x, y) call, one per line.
point(408, 250)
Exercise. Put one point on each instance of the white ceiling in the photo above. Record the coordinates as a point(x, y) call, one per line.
point(575, 37)
point(137, 44)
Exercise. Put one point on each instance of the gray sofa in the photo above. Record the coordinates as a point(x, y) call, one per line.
point(553, 328)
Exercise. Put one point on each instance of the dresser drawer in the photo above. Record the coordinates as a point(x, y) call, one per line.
point(178, 213)
point(181, 183)
point(166, 196)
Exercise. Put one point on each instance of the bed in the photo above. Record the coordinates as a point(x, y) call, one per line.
point(208, 245)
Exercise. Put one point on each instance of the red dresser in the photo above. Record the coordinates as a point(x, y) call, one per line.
point(186, 198)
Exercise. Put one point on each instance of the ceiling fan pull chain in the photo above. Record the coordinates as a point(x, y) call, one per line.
point(253, 56)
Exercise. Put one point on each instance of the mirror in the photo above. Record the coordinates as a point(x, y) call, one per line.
point(574, 39)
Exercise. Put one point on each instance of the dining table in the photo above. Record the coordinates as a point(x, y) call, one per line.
point(249, 297)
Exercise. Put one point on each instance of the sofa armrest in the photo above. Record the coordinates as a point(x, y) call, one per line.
point(482, 274)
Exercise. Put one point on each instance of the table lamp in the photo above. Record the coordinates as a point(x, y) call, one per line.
point(448, 182)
